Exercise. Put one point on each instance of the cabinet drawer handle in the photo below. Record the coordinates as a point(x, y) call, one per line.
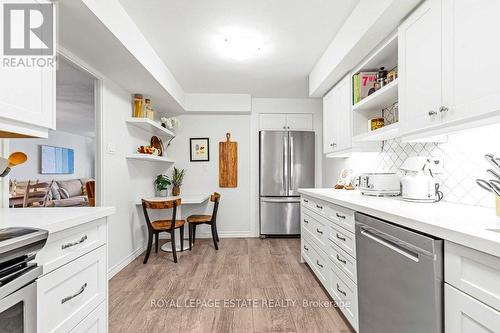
point(319, 207)
point(443, 109)
point(306, 248)
point(432, 113)
point(340, 216)
point(341, 238)
point(319, 231)
point(340, 290)
point(317, 262)
point(65, 246)
point(306, 201)
point(306, 221)
point(341, 260)
point(79, 292)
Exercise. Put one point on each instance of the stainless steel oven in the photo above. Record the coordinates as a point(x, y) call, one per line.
point(18, 274)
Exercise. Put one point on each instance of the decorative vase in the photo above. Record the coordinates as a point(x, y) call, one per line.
point(162, 193)
point(176, 191)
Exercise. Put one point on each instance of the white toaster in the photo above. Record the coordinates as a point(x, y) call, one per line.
point(380, 184)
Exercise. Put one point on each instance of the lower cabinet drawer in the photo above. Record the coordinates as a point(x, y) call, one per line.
point(316, 259)
point(95, 322)
point(67, 295)
point(67, 245)
point(318, 227)
point(345, 293)
point(474, 272)
point(343, 239)
point(344, 261)
point(464, 314)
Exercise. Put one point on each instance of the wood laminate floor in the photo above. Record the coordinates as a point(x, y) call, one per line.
point(249, 285)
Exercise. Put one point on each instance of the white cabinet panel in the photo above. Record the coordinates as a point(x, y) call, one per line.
point(96, 322)
point(464, 314)
point(299, 121)
point(337, 124)
point(420, 68)
point(272, 121)
point(470, 53)
point(474, 272)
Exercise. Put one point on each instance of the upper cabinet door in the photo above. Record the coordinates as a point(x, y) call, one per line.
point(329, 121)
point(420, 68)
point(272, 121)
point(471, 59)
point(337, 125)
point(299, 121)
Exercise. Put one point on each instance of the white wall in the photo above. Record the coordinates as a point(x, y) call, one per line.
point(280, 105)
point(83, 146)
point(203, 177)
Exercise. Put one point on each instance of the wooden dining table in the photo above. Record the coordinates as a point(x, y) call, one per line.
point(186, 200)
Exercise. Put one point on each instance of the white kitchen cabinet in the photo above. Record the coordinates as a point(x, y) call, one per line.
point(27, 102)
point(337, 124)
point(469, 53)
point(420, 68)
point(286, 121)
point(442, 47)
point(464, 314)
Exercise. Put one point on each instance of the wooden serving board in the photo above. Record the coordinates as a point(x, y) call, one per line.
point(228, 163)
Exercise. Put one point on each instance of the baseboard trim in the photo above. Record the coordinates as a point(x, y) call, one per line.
point(125, 261)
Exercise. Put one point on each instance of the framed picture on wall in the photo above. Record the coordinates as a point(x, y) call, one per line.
point(56, 160)
point(199, 150)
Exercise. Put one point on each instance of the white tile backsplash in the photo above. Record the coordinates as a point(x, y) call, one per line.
point(462, 156)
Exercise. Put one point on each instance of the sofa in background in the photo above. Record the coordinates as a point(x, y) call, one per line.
point(64, 193)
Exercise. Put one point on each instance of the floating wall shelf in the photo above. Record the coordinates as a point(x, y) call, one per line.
point(381, 99)
point(147, 157)
point(385, 133)
point(150, 126)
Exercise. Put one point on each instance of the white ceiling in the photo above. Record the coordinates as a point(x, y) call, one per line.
point(294, 35)
point(75, 100)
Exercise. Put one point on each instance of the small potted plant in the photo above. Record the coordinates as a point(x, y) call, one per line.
point(177, 178)
point(162, 182)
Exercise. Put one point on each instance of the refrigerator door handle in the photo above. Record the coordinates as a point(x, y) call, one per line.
point(290, 178)
point(283, 200)
point(285, 164)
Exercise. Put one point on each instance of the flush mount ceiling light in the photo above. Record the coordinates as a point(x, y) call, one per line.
point(238, 45)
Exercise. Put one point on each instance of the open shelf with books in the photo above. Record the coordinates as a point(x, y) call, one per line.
point(375, 94)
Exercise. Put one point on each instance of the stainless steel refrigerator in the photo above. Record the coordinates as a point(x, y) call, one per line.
point(286, 164)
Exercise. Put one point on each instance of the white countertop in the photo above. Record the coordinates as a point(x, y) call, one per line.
point(462, 224)
point(52, 219)
point(188, 199)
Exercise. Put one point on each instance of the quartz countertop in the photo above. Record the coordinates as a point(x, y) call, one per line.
point(52, 219)
point(470, 226)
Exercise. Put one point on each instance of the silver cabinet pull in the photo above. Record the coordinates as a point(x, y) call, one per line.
point(341, 260)
point(317, 262)
point(306, 248)
point(79, 292)
point(340, 237)
point(319, 231)
point(432, 113)
point(306, 201)
point(65, 246)
point(340, 290)
point(319, 207)
point(306, 221)
point(443, 109)
point(340, 216)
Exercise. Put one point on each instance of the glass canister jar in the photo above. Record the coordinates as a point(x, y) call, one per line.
point(137, 105)
point(148, 110)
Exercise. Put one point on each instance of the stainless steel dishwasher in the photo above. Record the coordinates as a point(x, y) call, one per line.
point(400, 279)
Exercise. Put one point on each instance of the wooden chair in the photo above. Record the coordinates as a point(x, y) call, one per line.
point(194, 220)
point(90, 189)
point(37, 194)
point(155, 227)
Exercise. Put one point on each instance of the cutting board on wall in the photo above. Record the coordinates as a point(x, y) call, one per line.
point(228, 163)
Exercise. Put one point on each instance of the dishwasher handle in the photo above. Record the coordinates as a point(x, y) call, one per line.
point(390, 244)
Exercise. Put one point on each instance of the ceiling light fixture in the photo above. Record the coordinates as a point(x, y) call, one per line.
point(238, 45)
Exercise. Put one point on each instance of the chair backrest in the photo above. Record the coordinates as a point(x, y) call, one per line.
point(215, 198)
point(167, 204)
point(90, 189)
point(37, 194)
